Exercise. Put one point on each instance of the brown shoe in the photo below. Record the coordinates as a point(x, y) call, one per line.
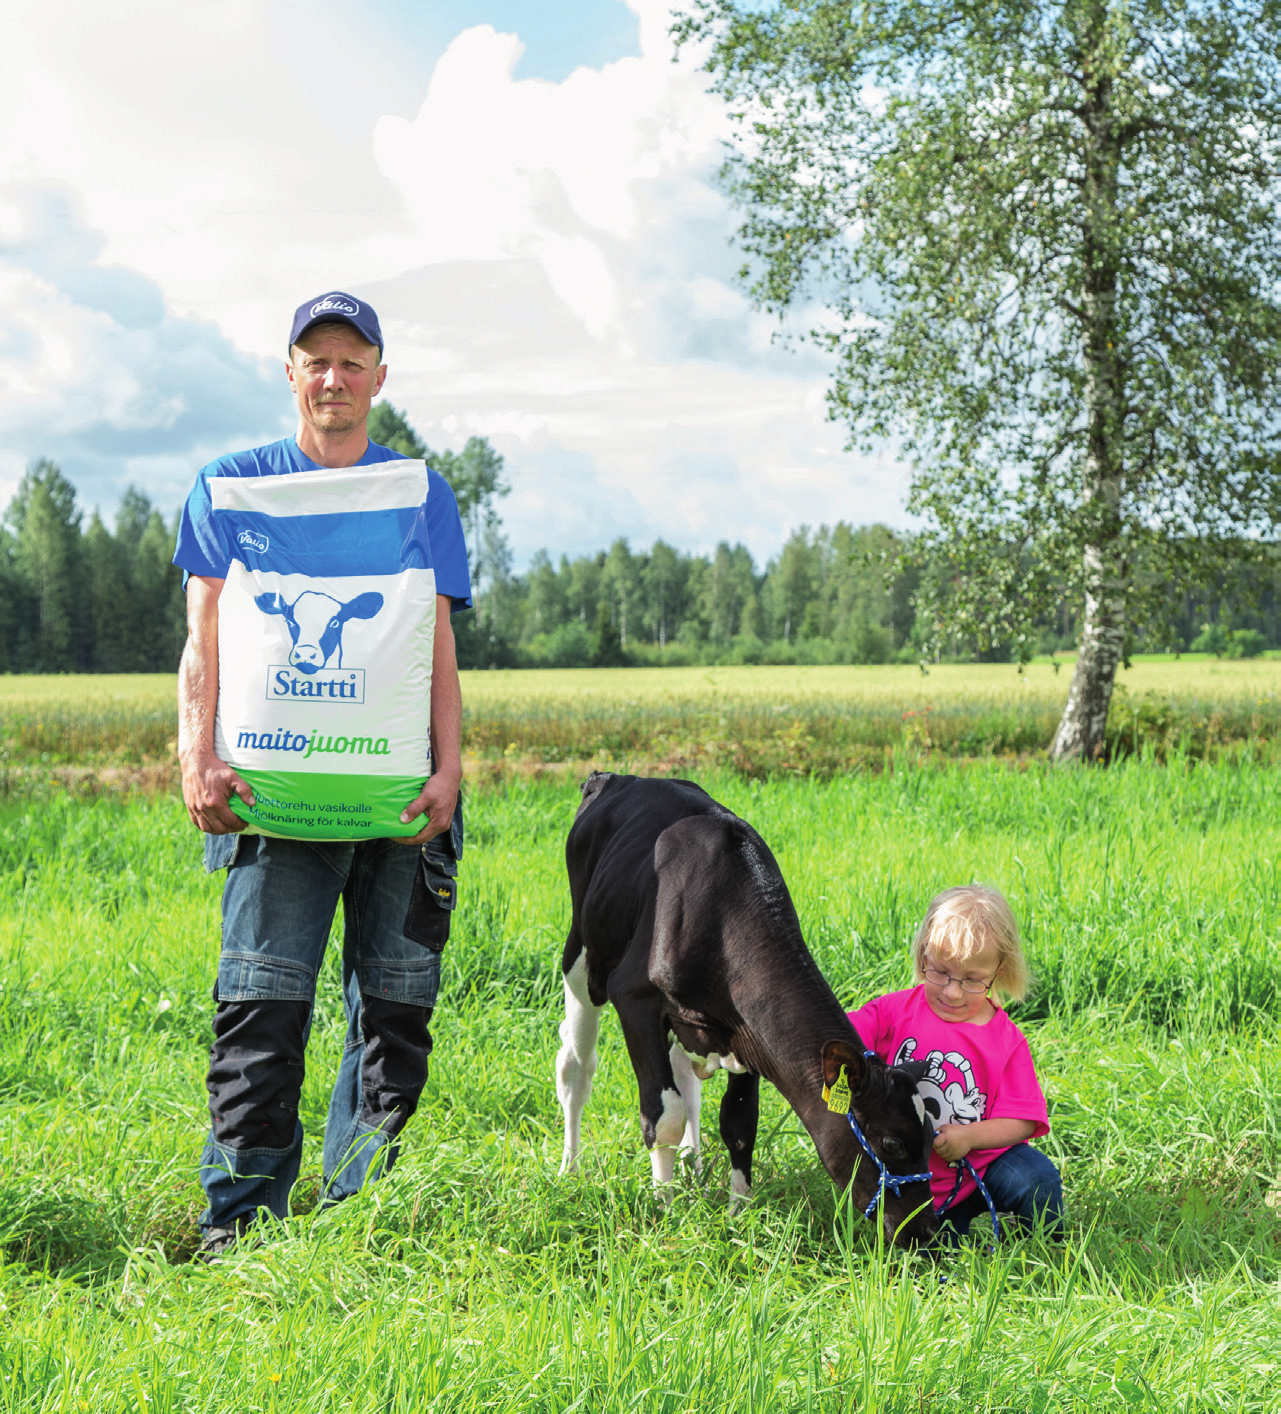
point(216, 1242)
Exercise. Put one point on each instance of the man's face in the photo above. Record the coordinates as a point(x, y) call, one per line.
point(335, 375)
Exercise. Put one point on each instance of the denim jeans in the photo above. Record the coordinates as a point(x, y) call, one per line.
point(1024, 1183)
point(278, 905)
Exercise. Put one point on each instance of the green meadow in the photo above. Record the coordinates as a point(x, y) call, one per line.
point(474, 1278)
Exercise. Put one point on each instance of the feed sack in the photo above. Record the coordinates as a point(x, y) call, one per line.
point(325, 629)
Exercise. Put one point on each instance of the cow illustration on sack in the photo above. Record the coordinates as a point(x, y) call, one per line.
point(315, 621)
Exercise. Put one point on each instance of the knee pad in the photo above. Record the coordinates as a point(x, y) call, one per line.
point(256, 1072)
point(394, 1067)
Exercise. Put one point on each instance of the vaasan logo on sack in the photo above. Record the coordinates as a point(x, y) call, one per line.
point(315, 672)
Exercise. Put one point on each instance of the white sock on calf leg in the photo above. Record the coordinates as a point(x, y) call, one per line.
point(667, 1135)
point(576, 1059)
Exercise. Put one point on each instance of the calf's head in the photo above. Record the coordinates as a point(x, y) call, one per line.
point(315, 622)
point(890, 1112)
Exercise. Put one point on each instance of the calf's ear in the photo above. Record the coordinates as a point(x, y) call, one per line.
point(363, 606)
point(271, 603)
point(838, 1055)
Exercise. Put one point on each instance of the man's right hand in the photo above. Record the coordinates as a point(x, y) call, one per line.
point(208, 783)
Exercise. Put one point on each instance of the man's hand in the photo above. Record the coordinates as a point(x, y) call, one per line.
point(434, 803)
point(208, 783)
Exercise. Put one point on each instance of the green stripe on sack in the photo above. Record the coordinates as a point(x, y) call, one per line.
point(315, 806)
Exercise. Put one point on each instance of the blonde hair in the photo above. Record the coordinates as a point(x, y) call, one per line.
point(961, 922)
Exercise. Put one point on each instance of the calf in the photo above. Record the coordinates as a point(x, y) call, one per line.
point(682, 920)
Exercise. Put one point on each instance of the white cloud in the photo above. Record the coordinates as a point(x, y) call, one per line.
point(98, 373)
point(565, 174)
point(586, 296)
point(551, 262)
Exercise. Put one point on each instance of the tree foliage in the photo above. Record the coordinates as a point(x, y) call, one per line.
point(1044, 240)
point(92, 600)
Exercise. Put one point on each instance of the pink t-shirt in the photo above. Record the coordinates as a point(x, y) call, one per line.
point(975, 1072)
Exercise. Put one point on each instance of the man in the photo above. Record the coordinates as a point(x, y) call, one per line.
point(280, 894)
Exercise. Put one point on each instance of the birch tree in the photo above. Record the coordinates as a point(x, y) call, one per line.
point(1040, 242)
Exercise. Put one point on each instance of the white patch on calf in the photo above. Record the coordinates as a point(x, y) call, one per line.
point(732, 1063)
point(739, 1188)
point(919, 1106)
point(576, 1059)
point(667, 1135)
point(690, 1084)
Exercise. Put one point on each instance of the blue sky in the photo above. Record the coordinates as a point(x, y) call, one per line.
point(527, 195)
point(558, 38)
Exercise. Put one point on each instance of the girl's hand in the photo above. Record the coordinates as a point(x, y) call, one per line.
point(952, 1142)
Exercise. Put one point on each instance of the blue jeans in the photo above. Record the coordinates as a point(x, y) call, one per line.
point(1024, 1183)
point(278, 905)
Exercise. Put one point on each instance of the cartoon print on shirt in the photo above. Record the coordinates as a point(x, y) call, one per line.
point(955, 1102)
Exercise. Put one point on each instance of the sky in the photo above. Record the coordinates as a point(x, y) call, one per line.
point(525, 192)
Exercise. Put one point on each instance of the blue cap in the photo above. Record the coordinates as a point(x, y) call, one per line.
point(340, 307)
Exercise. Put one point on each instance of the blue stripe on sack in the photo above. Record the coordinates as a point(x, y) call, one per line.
point(362, 542)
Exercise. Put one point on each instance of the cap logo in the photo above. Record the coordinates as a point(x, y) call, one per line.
point(330, 305)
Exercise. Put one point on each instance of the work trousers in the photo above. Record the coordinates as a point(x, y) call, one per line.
point(278, 906)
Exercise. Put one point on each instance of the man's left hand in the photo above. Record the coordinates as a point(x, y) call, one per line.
point(435, 804)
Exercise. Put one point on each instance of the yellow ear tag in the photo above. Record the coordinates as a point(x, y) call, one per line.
point(838, 1095)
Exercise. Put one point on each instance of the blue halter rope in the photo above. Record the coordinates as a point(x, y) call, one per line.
point(987, 1197)
point(894, 1181)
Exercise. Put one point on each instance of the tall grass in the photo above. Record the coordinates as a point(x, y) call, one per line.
point(474, 1278)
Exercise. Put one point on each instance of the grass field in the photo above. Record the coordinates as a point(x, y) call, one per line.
point(756, 721)
point(475, 1279)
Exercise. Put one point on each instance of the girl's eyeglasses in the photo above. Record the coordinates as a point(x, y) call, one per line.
point(967, 984)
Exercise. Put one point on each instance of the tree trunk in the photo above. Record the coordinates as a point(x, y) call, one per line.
point(1080, 736)
point(1081, 732)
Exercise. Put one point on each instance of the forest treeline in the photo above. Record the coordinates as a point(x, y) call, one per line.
point(79, 596)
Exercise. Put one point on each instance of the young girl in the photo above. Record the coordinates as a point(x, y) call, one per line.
point(980, 1091)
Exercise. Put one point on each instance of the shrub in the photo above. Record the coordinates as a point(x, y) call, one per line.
point(568, 646)
point(1213, 638)
point(1246, 643)
point(746, 648)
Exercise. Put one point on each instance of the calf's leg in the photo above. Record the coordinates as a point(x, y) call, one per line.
point(691, 1091)
point(662, 1110)
point(576, 1059)
point(740, 1110)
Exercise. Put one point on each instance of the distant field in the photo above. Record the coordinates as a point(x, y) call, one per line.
point(758, 721)
point(1191, 678)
